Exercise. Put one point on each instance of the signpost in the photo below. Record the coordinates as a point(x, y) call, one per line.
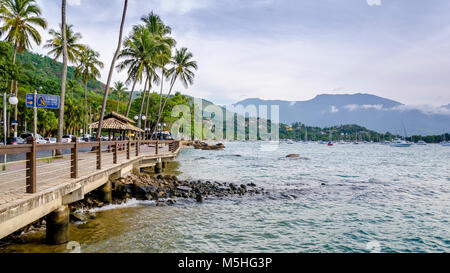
point(41, 101)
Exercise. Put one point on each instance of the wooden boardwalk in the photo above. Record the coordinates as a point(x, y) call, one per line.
point(33, 188)
point(54, 172)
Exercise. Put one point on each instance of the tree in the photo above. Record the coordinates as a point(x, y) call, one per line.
point(72, 85)
point(119, 88)
point(19, 20)
point(160, 31)
point(182, 65)
point(88, 69)
point(55, 44)
point(111, 70)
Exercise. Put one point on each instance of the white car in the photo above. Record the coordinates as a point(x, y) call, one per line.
point(41, 141)
point(67, 138)
point(50, 140)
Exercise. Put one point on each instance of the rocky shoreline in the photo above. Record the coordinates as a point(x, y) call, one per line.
point(165, 190)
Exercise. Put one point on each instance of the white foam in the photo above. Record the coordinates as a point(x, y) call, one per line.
point(129, 203)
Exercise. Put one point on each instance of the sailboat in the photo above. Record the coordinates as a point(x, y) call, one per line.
point(330, 143)
point(306, 136)
point(445, 143)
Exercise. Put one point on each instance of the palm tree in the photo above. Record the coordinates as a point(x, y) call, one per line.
point(64, 75)
point(88, 69)
point(19, 20)
point(182, 65)
point(135, 55)
point(157, 28)
point(73, 46)
point(72, 84)
point(111, 70)
point(119, 88)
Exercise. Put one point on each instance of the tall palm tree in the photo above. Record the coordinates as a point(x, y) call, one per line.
point(111, 70)
point(20, 17)
point(64, 75)
point(135, 55)
point(182, 65)
point(157, 28)
point(73, 46)
point(88, 69)
point(119, 89)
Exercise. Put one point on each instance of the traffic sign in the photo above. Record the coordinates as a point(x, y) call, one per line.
point(43, 101)
point(14, 122)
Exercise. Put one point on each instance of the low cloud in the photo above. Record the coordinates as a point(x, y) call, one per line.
point(334, 109)
point(426, 109)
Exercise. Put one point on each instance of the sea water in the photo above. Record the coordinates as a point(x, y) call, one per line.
point(344, 198)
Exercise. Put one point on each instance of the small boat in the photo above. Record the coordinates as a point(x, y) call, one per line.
point(400, 143)
point(290, 142)
point(330, 143)
point(445, 143)
point(421, 142)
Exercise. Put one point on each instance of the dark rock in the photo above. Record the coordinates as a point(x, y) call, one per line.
point(199, 198)
point(77, 217)
point(293, 156)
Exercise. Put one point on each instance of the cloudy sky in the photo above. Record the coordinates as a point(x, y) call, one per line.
point(289, 49)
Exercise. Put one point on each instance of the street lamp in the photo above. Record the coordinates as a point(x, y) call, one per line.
point(13, 100)
point(139, 118)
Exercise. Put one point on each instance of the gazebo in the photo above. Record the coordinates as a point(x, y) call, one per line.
point(115, 122)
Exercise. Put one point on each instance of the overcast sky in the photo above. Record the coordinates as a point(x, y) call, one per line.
point(289, 49)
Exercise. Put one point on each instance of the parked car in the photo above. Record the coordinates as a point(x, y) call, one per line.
point(67, 138)
point(15, 140)
point(39, 138)
point(26, 135)
point(50, 140)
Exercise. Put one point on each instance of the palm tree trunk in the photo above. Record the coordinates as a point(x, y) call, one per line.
point(85, 108)
point(160, 92)
point(147, 121)
point(111, 70)
point(172, 83)
point(118, 102)
point(142, 102)
point(14, 89)
point(64, 75)
point(131, 98)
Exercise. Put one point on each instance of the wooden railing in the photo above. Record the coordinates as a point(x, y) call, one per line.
point(114, 147)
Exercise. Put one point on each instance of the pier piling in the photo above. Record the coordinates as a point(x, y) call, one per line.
point(57, 231)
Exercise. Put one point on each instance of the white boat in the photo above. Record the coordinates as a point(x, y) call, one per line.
point(400, 143)
point(445, 143)
point(289, 141)
point(421, 142)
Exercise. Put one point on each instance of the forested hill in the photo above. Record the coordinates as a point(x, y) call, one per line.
point(43, 71)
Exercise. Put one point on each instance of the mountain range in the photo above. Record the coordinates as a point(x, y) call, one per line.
point(373, 112)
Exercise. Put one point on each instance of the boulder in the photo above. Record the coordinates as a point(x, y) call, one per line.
point(293, 156)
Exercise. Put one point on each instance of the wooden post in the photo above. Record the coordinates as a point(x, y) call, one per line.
point(31, 166)
point(128, 149)
point(99, 154)
point(74, 158)
point(137, 147)
point(157, 147)
point(115, 152)
point(109, 139)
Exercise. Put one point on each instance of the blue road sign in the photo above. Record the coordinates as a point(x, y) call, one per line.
point(43, 101)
